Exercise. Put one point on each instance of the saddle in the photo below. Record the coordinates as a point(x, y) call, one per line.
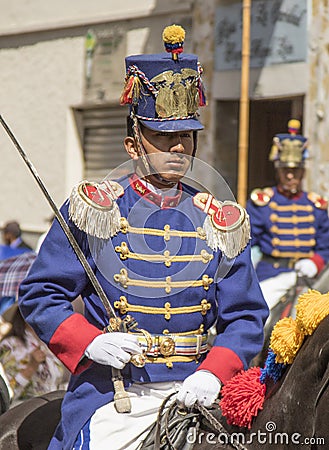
point(174, 429)
point(20, 427)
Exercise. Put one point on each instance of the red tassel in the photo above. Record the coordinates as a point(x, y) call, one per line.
point(126, 96)
point(242, 398)
point(202, 96)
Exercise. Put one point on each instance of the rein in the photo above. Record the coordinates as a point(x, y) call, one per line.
point(219, 427)
point(174, 424)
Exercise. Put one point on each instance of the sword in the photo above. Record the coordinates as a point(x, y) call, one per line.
point(121, 399)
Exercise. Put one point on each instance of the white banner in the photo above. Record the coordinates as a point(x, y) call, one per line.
point(278, 33)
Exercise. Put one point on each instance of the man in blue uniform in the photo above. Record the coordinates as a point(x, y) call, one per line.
point(289, 226)
point(174, 259)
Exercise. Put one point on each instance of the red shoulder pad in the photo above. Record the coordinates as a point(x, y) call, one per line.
point(261, 197)
point(225, 216)
point(319, 201)
point(100, 196)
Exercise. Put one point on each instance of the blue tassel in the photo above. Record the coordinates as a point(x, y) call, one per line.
point(272, 369)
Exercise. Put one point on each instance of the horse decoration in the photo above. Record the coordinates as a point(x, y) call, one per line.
point(283, 405)
point(286, 307)
point(243, 396)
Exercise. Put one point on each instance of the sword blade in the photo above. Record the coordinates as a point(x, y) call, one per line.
point(81, 256)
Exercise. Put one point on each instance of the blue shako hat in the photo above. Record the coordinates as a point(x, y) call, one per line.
point(165, 90)
point(289, 149)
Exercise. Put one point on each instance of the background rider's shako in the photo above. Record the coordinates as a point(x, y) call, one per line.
point(289, 149)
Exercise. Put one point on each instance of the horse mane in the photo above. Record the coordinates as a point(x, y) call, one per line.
point(298, 402)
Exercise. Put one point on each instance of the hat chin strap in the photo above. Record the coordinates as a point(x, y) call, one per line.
point(289, 192)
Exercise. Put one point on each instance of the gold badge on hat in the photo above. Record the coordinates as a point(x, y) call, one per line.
point(178, 94)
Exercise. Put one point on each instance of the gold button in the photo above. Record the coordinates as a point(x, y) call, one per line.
point(167, 346)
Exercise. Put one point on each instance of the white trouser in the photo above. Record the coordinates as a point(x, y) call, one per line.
point(274, 288)
point(111, 430)
point(5, 379)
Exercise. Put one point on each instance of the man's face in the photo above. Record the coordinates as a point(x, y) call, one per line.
point(290, 178)
point(169, 154)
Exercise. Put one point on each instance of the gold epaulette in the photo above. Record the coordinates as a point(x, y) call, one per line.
point(261, 197)
point(319, 201)
point(93, 208)
point(226, 226)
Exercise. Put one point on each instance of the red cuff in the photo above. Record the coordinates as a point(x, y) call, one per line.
point(318, 261)
point(223, 363)
point(71, 339)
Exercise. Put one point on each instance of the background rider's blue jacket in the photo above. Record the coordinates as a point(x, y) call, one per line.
point(288, 228)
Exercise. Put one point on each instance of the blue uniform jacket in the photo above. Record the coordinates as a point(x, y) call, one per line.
point(288, 228)
point(159, 269)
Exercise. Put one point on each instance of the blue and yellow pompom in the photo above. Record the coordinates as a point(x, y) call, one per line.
point(243, 396)
point(173, 38)
point(293, 126)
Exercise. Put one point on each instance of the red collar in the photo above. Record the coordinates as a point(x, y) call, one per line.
point(164, 202)
point(291, 196)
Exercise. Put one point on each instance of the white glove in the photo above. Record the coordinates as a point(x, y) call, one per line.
point(201, 386)
point(113, 349)
point(306, 268)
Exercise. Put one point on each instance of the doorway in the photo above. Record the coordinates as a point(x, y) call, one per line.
point(266, 119)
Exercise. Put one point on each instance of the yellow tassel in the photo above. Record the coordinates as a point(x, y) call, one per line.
point(286, 339)
point(174, 34)
point(312, 308)
point(273, 156)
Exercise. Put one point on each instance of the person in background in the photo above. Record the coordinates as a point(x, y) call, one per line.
point(289, 226)
point(12, 238)
point(12, 271)
point(171, 260)
point(30, 367)
point(8, 252)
